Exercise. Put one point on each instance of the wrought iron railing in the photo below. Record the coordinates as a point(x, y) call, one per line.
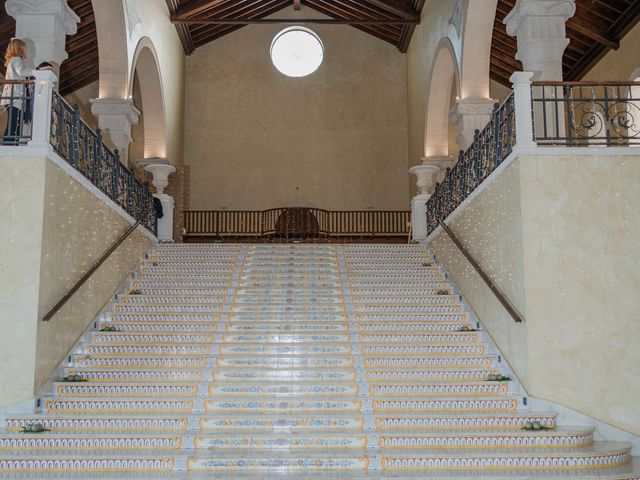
point(295, 223)
point(16, 103)
point(85, 151)
point(490, 147)
point(586, 114)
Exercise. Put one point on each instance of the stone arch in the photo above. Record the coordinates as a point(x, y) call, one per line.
point(476, 49)
point(112, 48)
point(444, 78)
point(145, 66)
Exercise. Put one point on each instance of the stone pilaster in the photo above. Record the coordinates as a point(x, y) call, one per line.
point(425, 181)
point(161, 172)
point(539, 26)
point(469, 115)
point(115, 117)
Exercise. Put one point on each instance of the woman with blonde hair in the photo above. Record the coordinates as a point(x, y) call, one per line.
point(12, 94)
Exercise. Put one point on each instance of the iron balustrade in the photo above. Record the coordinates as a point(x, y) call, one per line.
point(16, 96)
point(82, 147)
point(296, 222)
point(584, 114)
point(489, 149)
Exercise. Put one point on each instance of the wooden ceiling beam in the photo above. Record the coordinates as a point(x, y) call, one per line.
point(182, 30)
point(591, 31)
point(400, 8)
point(292, 21)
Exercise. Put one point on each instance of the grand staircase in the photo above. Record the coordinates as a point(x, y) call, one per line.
point(341, 361)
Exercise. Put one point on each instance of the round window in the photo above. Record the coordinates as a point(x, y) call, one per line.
point(297, 51)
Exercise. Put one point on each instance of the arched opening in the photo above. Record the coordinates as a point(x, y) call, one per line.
point(145, 81)
point(443, 90)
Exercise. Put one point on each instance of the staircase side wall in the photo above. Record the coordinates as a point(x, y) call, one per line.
point(581, 233)
point(57, 228)
point(563, 233)
point(491, 229)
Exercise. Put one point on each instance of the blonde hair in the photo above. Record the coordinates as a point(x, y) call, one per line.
point(16, 48)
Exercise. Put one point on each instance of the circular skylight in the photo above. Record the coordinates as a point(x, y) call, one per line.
point(297, 51)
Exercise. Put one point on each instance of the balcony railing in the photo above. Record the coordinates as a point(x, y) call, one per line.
point(489, 149)
point(16, 103)
point(585, 114)
point(42, 117)
point(539, 114)
point(296, 222)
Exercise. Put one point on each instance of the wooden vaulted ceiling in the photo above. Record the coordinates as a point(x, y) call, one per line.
point(596, 28)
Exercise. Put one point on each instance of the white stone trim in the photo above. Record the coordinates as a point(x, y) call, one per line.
point(51, 155)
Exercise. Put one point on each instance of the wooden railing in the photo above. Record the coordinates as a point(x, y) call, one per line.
point(296, 222)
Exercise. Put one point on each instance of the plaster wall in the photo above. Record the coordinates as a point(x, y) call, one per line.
point(150, 19)
point(337, 139)
point(561, 240)
point(619, 65)
point(55, 229)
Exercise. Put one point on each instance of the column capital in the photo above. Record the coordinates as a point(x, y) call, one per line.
point(441, 162)
point(44, 24)
point(539, 26)
point(122, 107)
point(469, 115)
point(58, 8)
point(525, 9)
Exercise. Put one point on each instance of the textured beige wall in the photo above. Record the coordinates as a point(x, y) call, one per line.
point(55, 230)
point(581, 234)
point(22, 200)
point(618, 65)
point(491, 228)
point(337, 139)
point(566, 249)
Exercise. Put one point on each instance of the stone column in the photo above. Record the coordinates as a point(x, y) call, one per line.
point(115, 117)
point(41, 123)
point(469, 115)
point(441, 163)
point(161, 172)
point(44, 25)
point(539, 26)
point(425, 182)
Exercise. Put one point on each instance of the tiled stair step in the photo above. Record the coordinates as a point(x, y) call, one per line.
point(171, 278)
point(163, 317)
point(187, 390)
point(418, 326)
point(158, 349)
point(211, 390)
point(131, 374)
point(597, 455)
point(292, 441)
point(384, 349)
point(306, 326)
point(183, 291)
point(154, 326)
point(281, 271)
point(485, 361)
point(123, 338)
point(276, 461)
point(179, 284)
point(396, 277)
point(289, 291)
point(406, 284)
point(413, 317)
point(288, 308)
point(192, 261)
point(287, 300)
point(201, 308)
point(299, 262)
point(298, 283)
point(176, 270)
point(404, 422)
point(407, 308)
point(286, 406)
point(287, 317)
point(223, 362)
point(400, 301)
point(171, 299)
point(417, 293)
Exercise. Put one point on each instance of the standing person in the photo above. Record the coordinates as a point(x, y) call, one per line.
point(12, 93)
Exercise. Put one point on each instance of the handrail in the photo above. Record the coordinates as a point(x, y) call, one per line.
point(499, 295)
point(49, 315)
